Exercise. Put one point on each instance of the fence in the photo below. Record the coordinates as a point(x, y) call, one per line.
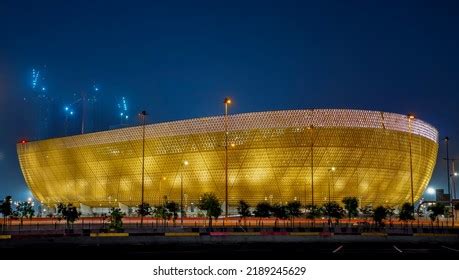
point(153, 225)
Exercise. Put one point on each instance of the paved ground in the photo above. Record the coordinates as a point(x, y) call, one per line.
point(137, 248)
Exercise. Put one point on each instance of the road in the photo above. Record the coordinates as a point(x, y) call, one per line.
point(47, 249)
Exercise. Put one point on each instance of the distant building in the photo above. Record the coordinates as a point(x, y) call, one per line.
point(441, 196)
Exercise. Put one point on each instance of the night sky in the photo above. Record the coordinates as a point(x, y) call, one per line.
point(179, 59)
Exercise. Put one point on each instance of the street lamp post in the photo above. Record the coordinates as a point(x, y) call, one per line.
point(184, 163)
point(143, 115)
point(227, 102)
point(159, 191)
point(331, 170)
point(453, 195)
point(453, 174)
point(311, 128)
point(410, 119)
point(449, 178)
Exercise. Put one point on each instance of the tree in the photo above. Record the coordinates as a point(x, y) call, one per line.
point(143, 209)
point(367, 211)
point(116, 219)
point(406, 212)
point(162, 212)
point(6, 209)
point(70, 214)
point(25, 209)
point(294, 209)
point(351, 205)
point(210, 203)
point(390, 213)
point(333, 211)
point(60, 210)
point(172, 208)
point(243, 209)
point(279, 211)
point(313, 211)
point(436, 210)
point(379, 214)
point(263, 210)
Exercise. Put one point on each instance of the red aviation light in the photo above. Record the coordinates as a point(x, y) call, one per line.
point(23, 141)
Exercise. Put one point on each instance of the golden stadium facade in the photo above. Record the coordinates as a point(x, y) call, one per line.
point(276, 156)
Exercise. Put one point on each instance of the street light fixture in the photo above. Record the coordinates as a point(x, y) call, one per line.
point(332, 171)
point(159, 191)
point(227, 102)
point(410, 119)
point(143, 115)
point(446, 139)
point(311, 129)
point(184, 163)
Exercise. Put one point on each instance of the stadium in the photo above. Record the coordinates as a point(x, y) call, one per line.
point(275, 156)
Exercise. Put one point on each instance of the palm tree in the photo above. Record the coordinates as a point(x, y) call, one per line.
point(6, 209)
point(294, 210)
point(280, 212)
point(333, 211)
point(263, 210)
point(436, 210)
point(25, 210)
point(313, 211)
point(390, 214)
point(60, 209)
point(173, 208)
point(70, 214)
point(210, 203)
point(116, 219)
point(143, 209)
point(367, 211)
point(351, 205)
point(379, 215)
point(162, 212)
point(406, 212)
point(243, 209)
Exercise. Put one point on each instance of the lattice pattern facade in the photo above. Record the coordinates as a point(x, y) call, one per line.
point(269, 158)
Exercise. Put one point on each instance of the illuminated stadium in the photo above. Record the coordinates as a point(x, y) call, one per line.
point(276, 156)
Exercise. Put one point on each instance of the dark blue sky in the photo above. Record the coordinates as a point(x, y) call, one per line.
point(178, 59)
